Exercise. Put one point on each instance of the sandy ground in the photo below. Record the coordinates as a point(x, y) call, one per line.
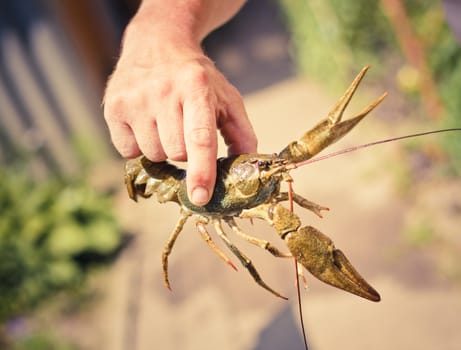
point(213, 307)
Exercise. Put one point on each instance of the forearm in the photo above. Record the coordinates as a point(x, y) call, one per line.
point(182, 22)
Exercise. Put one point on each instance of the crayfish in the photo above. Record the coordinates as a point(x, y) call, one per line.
point(249, 186)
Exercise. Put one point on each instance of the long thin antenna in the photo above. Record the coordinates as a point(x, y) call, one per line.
point(365, 145)
point(298, 288)
point(300, 307)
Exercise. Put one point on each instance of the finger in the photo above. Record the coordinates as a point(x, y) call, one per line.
point(237, 130)
point(123, 139)
point(171, 133)
point(146, 133)
point(201, 145)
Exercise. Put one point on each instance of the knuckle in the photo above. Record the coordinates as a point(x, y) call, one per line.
point(197, 76)
point(151, 148)
point(162, 88)
point(177, 154)
point(201, 137)
point(128, 153)
point(234, 95)
point(126, 148)
point(203, 176)
point(155, 155)
point(114, 107)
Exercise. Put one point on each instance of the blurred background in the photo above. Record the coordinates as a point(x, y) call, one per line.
point(80, 263)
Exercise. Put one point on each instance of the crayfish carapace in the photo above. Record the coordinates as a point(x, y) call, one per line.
point(248, 186)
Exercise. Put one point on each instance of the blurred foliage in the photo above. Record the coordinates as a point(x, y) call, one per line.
point(333, 39)
point(432, 227)
point(40, 341)
point(50, 233)
point(419, 233)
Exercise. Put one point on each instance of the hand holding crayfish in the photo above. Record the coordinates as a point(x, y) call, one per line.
point(166, 99)
point(249, 186)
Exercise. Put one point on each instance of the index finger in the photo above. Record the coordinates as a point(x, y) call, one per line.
point(201, 146)
point(237, 130)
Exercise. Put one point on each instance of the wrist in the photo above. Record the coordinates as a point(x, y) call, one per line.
point(146, 43)
point(149, 38)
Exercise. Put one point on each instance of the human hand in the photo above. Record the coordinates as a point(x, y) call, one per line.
point(166, 99)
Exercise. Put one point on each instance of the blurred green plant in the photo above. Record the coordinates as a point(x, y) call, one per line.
point(332, 39)
point(50, 233)
point(41, 341)
point(445, 60)
point(419, 234)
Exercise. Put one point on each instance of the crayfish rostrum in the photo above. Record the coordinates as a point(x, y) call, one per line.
point(248, 186)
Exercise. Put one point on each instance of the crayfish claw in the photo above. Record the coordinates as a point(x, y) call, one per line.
point(316, 252)
point(346, 269)
point(337, 112)
point(331, 129)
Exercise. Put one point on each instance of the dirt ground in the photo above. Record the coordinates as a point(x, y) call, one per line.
point(213, 307)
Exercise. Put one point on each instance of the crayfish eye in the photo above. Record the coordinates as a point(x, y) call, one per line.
point(264, 164)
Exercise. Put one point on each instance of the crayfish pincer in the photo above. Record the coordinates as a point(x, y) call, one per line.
point(249, 186)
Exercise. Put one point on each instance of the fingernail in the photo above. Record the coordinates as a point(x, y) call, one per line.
point(200, 196)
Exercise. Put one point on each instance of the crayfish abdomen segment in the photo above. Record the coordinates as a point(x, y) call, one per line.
point(145, 178)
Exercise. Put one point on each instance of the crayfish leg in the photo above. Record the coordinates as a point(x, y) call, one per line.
point(266, 245)
point(303, 202)
point(246, 262)
point(170, 243)
point(201, 229)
